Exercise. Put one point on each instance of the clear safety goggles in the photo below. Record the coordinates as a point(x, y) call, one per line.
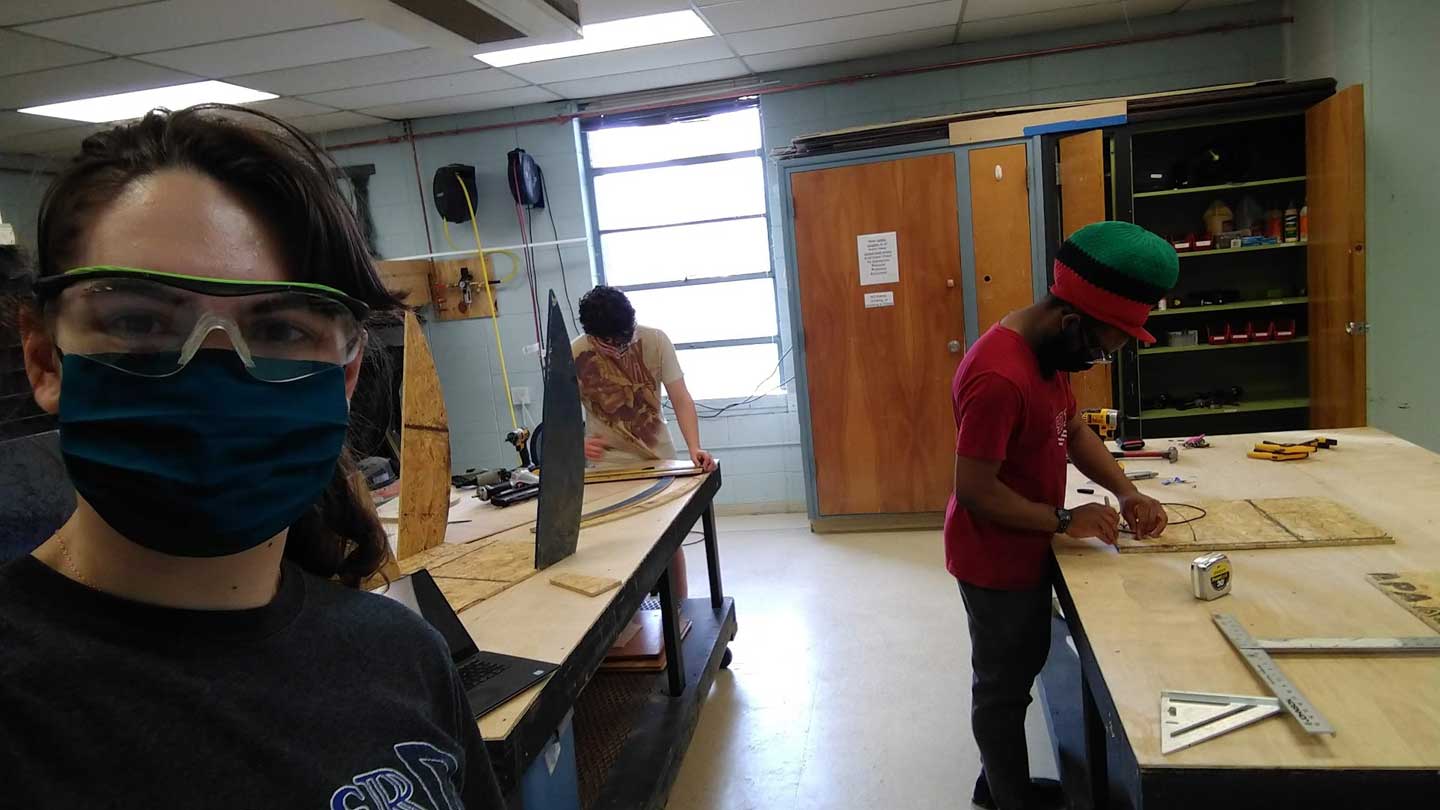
point(151, 324)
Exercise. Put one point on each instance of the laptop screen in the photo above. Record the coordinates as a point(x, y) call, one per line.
point(420, 593)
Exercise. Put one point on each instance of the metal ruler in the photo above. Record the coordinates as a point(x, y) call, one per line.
point(1188, 718)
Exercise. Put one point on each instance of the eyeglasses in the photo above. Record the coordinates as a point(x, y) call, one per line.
point(151, 324)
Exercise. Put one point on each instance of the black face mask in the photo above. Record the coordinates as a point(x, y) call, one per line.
point(1071, 349)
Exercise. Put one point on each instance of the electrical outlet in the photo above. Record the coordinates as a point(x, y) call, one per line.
point(532, 348)
point(520, 394)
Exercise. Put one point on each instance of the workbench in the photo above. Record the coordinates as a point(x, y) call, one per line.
point(1132, 628)
point(535, 619)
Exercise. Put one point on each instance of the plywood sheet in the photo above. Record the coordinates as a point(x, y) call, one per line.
point(671, 468)
point(1307, 522)
point(1418, 592)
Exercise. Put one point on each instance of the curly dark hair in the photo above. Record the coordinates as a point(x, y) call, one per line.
point(606, 313)
point(290, 183)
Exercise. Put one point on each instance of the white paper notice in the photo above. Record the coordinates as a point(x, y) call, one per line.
point(879, 258)
point(885, 299)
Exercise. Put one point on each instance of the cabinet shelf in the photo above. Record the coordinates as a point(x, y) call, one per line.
point(1205, 347)
point(1195, 254)
point(1170, 192)
point(1253, 406)
point(1256, 304)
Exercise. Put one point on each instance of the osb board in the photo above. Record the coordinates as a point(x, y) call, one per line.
point(1416, 591)
point(583, 584)
point(462, 593)
point(424, 449)
point(1307, 522)
point(497, 562)
point(447, 274)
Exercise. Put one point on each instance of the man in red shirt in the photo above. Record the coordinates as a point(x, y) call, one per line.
point(1016, 425)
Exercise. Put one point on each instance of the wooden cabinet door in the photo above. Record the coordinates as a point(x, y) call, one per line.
point(1000, 224)
point(1335, 257)
point(1082, 201)
point(879, 377)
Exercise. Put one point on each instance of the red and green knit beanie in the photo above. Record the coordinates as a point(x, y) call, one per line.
point(1115, 272)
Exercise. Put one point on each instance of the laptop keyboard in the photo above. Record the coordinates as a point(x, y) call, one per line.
point(477, 671)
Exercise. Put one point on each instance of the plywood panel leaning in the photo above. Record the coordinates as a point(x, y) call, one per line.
point(424, 449)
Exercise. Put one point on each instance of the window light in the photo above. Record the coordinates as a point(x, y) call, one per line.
point(122, 106)
point(634, 32)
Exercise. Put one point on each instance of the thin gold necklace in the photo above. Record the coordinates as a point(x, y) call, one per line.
point(70, 561)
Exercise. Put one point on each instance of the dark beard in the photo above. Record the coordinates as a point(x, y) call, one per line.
point(1064, 351)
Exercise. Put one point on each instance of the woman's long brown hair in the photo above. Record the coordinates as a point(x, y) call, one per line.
point(289, 183)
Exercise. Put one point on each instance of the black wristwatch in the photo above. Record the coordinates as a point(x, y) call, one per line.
point(1063, 515)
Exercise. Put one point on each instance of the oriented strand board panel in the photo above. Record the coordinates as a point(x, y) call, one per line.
point(424, 449)
point(462, 593)
point(1416, 591)
point(583, 584)
point(1319, 519)
point(1268, 523)
point(497, 562)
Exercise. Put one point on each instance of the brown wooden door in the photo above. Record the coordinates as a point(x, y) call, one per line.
point(1335, 188)
point(879, 377)
point(1000, 224)
point(1082, 201)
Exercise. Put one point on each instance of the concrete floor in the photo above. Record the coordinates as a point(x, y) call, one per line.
point(850, 686)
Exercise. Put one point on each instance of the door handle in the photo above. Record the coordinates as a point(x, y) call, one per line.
point(953, 346)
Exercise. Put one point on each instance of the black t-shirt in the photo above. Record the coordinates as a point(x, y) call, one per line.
point(325, 698)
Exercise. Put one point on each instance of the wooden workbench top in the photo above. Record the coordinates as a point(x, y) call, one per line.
point(535, 619)
point(1149, 633)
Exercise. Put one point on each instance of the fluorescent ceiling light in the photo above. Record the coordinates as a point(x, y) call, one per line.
point(123, 106)
point(608, 36)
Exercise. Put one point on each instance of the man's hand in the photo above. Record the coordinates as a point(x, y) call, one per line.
point(702, 459)
point(1145, 515)
point(1095, 520)
point(595, 448)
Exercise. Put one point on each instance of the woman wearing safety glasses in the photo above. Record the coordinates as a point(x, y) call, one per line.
point(187, 638)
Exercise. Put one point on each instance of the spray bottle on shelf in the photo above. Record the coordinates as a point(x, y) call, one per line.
point(1292, 223)
point(1304, 222)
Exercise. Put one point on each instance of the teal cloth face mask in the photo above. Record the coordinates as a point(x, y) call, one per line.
point(204, 462)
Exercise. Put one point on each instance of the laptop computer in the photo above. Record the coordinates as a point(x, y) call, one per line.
point(489, 678)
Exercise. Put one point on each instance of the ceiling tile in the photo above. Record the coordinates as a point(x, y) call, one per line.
point(989, 9)
point(627, 61)
point(456, 84)
point(12, 123)
point(650, 79)
point(854, 49)
point(1044, 21)
point(20, 54)
point(748, 15)
point(841, 29)
point(462, 104)
point(289, 107)
point(17, 12)
point(179, 23)
point(336, 120)
point(387, 67)
point(307, 46)
point(51, 142)
point(84, 81)
point(593, 11)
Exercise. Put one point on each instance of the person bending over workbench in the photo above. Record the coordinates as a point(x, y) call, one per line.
point(621, 366)
point(1016, 421)
point(194, 635)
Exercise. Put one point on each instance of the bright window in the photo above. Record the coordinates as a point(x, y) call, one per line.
point(679, 204)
